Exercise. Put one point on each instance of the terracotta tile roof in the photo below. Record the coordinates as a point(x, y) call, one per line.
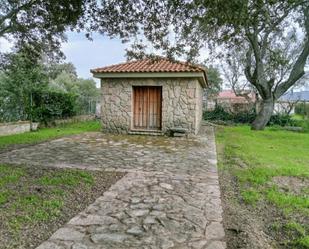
point(150, 66)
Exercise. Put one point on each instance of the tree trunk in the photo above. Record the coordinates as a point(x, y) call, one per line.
point(262, 118)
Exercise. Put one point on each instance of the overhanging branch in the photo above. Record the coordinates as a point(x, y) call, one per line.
point(298, 67)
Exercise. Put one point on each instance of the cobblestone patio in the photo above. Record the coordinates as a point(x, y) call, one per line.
point(170, 197)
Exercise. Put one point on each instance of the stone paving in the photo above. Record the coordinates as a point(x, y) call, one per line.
point(170, 197)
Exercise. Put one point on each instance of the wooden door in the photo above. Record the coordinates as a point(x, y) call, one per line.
point(147, 107)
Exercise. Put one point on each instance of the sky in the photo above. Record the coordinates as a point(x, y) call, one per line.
point(86, 54)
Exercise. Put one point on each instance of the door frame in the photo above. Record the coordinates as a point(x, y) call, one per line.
point(132, 109)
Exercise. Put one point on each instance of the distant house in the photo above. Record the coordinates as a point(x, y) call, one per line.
point(151, 96)
point(287, 102)
point(231, 102)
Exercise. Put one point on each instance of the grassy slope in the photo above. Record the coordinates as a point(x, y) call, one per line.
point(255, 158)
point(48, 133)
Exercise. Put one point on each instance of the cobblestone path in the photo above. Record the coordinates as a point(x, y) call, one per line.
point(170, 197)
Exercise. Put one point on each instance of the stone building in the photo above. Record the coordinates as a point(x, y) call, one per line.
point(151, 96)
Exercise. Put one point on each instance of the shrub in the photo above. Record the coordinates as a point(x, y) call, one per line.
point(282, 120)
point(50, 105)
point(246, 117)
point(219, 114)
point(302, 109)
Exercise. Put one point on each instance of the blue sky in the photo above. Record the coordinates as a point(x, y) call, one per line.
point(85, 54)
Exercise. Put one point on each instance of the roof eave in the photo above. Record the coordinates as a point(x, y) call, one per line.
point(201, 76)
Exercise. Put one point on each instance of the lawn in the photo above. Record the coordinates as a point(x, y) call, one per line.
point(266, 175)
point(298, 117)
point(48, 133)
point(34, 202)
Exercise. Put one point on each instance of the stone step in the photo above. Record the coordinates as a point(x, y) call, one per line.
point(151, 133)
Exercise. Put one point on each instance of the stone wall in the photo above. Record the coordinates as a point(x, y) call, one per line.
point(199, 106)
point(16, 128)
point(181, 103)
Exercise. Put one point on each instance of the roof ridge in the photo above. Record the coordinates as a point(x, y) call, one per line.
point(193, 66)
point(113, 65)
point(186, 63)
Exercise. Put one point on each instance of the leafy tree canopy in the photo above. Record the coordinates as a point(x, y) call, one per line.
point(21, 76)
point(215, 80)
point(55, 69)
point(85, 89)
point(42, 23)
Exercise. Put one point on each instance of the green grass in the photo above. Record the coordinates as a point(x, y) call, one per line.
point(27, 198)
point(302, 121)
point(49, 133)
point(36, 201)
point(255, 157)
point(66, 178)
point(297, 117)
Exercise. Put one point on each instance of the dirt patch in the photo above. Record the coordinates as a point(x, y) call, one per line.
point(294, 185)
point(243, 226)
point(49, 186)
point(259, 226)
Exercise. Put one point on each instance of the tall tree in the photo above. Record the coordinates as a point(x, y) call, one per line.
point(273, 34)
point(22, 74)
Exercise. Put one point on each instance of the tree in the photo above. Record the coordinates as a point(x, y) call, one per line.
point(267, 31)
point(88, 95)
point(28, 93)
point(65, 82)
point(22, 76)
point(85, 90)
point(233, 71)
point(55, 69)
point(215, 81)
point(43, 23)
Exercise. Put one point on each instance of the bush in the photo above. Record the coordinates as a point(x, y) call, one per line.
point(219, 114)
point(302, 109)
point(282, 120)
point(50, 105)
point(246, 117)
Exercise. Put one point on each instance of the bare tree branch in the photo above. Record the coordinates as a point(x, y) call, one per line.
point(298, 68)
